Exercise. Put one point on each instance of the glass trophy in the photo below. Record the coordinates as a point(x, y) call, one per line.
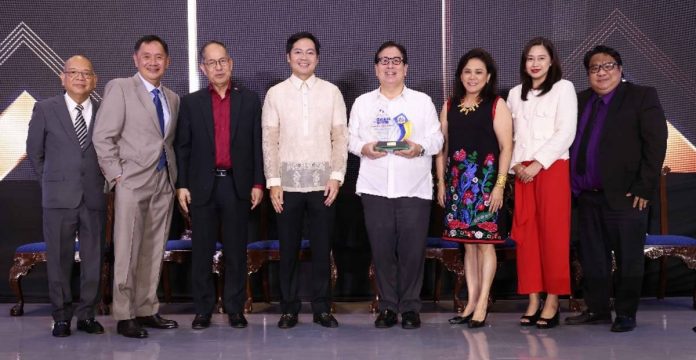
point(391, 133)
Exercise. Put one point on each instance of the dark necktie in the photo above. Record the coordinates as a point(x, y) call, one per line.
point(80, 126)
point(581, 166)
point(160, 116)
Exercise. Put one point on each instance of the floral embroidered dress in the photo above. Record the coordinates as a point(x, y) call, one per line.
point(470, 174)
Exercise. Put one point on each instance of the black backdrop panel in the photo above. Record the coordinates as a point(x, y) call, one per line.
point(349, 33)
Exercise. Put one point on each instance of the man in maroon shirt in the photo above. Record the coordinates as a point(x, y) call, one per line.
point(218, 151)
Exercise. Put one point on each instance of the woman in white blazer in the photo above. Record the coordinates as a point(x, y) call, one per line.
point(544, 111)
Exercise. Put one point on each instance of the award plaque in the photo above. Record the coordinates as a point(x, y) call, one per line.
point(391, 132)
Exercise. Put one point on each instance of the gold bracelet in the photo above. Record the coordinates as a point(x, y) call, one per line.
point(501, 180)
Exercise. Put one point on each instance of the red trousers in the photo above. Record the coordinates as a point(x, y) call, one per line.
point(541, 229)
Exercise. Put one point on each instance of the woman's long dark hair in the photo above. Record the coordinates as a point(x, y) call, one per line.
point(552, 76)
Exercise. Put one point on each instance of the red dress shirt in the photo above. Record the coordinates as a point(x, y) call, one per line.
point(221, 125)
point(221, 120)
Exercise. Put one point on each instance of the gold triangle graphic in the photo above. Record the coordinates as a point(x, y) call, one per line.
point(14, 123)
point(681, 153)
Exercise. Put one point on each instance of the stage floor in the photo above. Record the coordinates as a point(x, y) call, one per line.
point(663, 332)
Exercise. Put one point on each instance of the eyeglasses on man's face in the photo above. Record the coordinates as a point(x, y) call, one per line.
point(211, 64)
point(606, 67)
point(385, 60)
point(73, 74)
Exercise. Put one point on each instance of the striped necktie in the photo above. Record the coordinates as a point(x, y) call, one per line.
point(80, 126)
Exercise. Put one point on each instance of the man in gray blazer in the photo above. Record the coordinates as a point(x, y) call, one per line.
point(60, 148)
point(133, 136)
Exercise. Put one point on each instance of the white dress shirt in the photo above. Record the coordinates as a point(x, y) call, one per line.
point(394, 176)
point(544, 126)
point(86, 109)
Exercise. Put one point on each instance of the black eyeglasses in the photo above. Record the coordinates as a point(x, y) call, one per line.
point(606, 67)
point(384, 60)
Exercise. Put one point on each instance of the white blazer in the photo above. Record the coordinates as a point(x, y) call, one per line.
point(544, 126)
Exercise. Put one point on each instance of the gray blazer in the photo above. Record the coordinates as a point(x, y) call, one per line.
point(67, 172)
point(127, 134)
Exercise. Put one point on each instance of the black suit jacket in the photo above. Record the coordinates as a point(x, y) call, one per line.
point(195, 143)
point(632, 145)
point(68, 173)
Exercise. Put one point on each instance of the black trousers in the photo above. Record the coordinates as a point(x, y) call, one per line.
point(223, 217)
point(60, 227)
point(290, 224)
point(397, 230)
point(603, 230)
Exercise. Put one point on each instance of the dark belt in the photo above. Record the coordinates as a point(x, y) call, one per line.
point(222, 172)
point(593, 190)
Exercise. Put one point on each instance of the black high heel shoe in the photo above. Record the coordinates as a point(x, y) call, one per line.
point(459, 320)
point(473, 324)
point(549, 323)
point(531, 319)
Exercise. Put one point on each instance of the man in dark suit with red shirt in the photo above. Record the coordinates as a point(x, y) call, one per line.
point(218, 152)
point(615, 166)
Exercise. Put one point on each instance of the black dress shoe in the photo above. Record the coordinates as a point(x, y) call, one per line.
point(90, 326)
point(201, 321)
point(460, 320)
point(588, 318)
point(237, 320)
point(544, 323)
point(386, 319)
point(156, 322)
point(61, 328)
point(131, 328)
point(287, 321)
point(623, 324)
point(326, 320)
point(531, 319)
point(410, 320)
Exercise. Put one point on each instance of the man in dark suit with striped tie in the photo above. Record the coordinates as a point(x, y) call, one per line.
point(60, 148)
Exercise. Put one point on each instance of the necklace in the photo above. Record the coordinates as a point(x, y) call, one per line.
point(471, 108)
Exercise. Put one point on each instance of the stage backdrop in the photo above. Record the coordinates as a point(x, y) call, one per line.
point(655, 39)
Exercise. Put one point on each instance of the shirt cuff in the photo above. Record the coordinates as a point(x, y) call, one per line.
point(258, 186)
point(545, 163)
point(272, 182)
point(335, 175)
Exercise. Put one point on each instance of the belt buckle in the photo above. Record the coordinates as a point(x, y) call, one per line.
point(220, 172)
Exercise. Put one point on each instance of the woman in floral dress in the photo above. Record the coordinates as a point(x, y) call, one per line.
point(472, 171)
